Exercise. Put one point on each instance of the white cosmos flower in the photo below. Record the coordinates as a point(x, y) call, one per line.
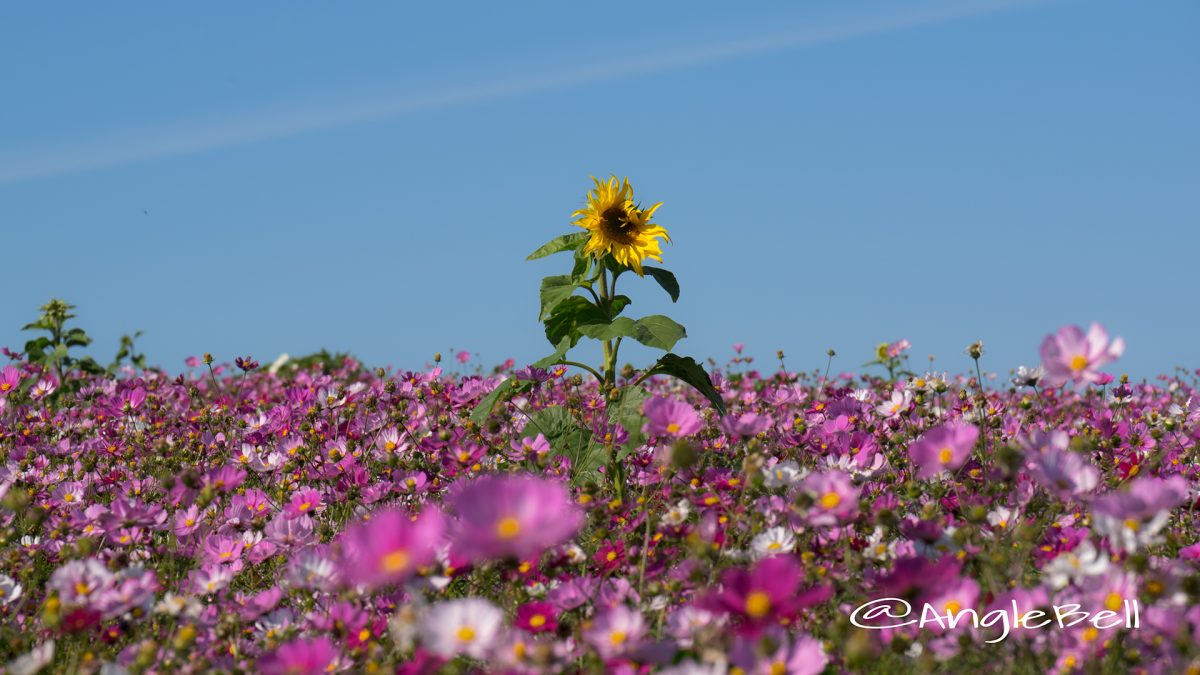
point(469, 626)
point(1083, 562)
point(33, 662)
point(9, 589)
point(772, 541)
point(897, 404)
point(678, 514)
point(783, 474)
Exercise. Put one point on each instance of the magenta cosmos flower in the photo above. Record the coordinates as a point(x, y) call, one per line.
point(390, 547)
point(669, 417)
point(765, 595)
point(943, 448)
point(1071, 356)
point(500, 516)
point(300, 657)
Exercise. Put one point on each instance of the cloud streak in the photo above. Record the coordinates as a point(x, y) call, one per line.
point(267, 125)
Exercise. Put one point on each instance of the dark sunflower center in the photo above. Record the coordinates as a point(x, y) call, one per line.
point(616, 225)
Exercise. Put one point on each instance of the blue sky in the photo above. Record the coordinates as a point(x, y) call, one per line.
point(254, 179)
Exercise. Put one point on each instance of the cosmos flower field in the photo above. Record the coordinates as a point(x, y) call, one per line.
point(317, 515)
point(313, 521)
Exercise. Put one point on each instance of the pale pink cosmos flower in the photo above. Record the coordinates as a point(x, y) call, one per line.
point(669, 417)
point(1062, 472)
point(616, 631)
point(468, 626)
point(943, 448)
point(835, 499)
point(518, 516)
point(1072, 356)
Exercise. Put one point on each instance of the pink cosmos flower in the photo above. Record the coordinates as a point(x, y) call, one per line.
point(746, 425)
point(463, 356)
point(304, 502)
point(669, 417)
point(1190, 552)
point(1061, 472)
point(519, 516)
point(803, 656)
point(765, 594)
point(1072, 356)
point(835, 499)
point(10, 377)
point(300, 657)
point(388, 548)
point(537, 445)
point(943, 448)
point(537, 617)
point(615, 631)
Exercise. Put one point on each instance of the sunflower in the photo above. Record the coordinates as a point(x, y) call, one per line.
point(620, 227)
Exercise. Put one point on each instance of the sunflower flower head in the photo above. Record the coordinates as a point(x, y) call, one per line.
point(619, 226)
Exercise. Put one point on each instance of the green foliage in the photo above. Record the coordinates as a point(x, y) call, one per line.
point(567, 242)
point(126, 351)
point(53, 351)
point(323, 360)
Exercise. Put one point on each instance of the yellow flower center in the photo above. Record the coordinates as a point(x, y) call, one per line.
point(394, 561)
point(945, 455)
point(672, 428)
point(68, 497)
point(537, 620)
point(465, 634)
point(389, 446)
point(758, 604)
point(82, 588)
point(617, 638)
point(1132, 524)
point(830, 500)
point(1113, 602)
point(508, 527)
point(952, 607)
point(1090, 634)
point(364, 635)
point(779, 668)
point(774, 546)
point(304, 507)
point(612, 555)
point(1078, 362)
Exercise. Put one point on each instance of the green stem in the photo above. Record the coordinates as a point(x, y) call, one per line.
point(584, 367)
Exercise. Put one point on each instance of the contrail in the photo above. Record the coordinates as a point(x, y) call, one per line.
point(266, 125)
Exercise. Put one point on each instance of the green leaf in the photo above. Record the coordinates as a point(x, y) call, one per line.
point(568, 439)
point(685, 368)
point(658, 331)
point(567, 242)
point(620, 327)
point(503, 391)
point(665, 279)
point(555, 289)
point(655, 330)
point(628, 411)
point(568, 315)
point(559, 352)
point(77, 338)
